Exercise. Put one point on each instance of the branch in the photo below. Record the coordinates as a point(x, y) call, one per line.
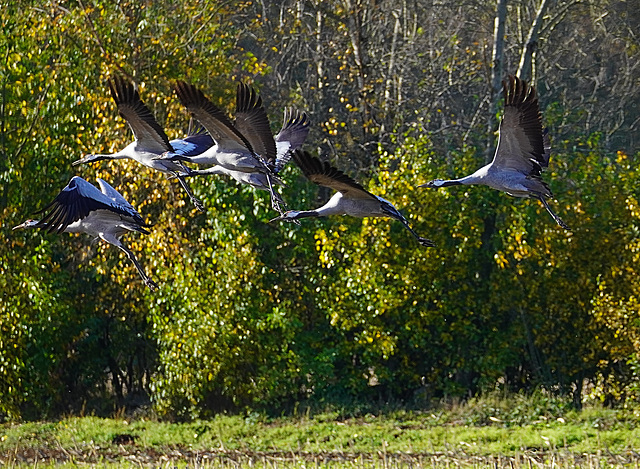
point(524, 69)
point(41, 98)
point(496, 74)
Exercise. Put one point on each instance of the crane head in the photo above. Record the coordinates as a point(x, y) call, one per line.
point(27, 224)
point(291, 216)
point(90, 158)
point(434, 184)
point(171, 156)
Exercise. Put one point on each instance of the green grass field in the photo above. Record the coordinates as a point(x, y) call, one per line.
point(492, 432)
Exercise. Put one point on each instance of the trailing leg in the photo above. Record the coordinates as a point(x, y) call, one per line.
point(187, 189)
point(423, 241)
point(148, 282)
point(557, 219)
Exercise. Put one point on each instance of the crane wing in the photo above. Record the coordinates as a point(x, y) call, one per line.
point(192, 145)
point(522, 145)
point(114, 195)
point(323, 174)
point(212, 118)
point(294, 131)
point(77, 200)
point(148, 133)
point(195, 128)
point(197, 140)
point(253, 123)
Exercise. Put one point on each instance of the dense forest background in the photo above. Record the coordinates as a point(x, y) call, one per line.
point(252, 315)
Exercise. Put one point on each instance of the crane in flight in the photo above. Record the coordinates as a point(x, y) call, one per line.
point(294, 131)
point(81, 208)
point(150, 139)
point(523, 150)
point(350, 199)
point(244, 146)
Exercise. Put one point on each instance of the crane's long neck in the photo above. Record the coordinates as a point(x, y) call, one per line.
point(306, 214)
point(115, 156)
point(465, 181)
point(119, 155)
point(91, 158)
point(335, 206)
point(217, 169)
point(478, 177)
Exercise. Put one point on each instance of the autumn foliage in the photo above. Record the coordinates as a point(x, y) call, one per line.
point(340, 310)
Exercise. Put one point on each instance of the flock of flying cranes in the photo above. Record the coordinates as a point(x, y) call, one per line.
point(246, 150)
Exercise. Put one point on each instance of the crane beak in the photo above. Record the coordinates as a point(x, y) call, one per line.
point(286, 218)
point(21, 225)
point(84, 159)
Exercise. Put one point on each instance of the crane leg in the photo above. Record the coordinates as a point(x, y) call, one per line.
point(185, 168)
point(148, 282)
point(557, 219)
point(398, 216)
point(423, 241)
point(276, 200)
point(187, 189)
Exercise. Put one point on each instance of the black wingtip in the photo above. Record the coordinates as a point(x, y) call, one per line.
point(187, 93)
point(247, 98)
point(295, 118)
point(518, 92)
point(122, 90)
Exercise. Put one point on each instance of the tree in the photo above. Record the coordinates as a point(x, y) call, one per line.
point(254, 315)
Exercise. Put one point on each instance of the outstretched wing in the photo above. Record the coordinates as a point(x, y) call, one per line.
point(77, 200)
point(116, 197)
point(196, 142)
point(253, 123)
point(294, 131)
point(323, 174)
point(148, 133)
point(522, 145)
point(212, 118)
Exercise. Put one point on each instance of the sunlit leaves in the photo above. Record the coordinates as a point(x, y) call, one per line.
point(256, 314)
point(56, 106)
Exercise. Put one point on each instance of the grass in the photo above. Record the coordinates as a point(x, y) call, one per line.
point(491, 432)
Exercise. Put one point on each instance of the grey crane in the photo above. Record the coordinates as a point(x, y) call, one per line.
point(245, 146)
point(150, 139)
point(81, 208)
point(522, 153)
point(294, 131)
point(351, 198)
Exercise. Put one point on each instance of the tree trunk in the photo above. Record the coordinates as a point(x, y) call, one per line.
point(525, 69)
point(496, 75)
point(319, 53)
point(392, 57)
